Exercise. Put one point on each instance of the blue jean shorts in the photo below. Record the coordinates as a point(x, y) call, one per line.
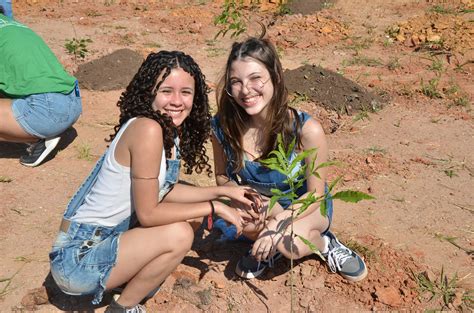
point(47, 115)
point(81, 259)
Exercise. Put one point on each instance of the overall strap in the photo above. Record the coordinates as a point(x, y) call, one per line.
point(78, 198)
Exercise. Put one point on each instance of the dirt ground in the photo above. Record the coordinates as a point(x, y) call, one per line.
point(389, 81)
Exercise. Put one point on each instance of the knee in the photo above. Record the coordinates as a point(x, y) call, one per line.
point(182, 236)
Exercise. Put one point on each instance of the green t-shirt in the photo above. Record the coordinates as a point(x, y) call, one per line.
point(27, 65)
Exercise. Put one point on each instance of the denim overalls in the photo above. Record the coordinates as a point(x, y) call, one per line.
point(260, 177)
point(82, 258)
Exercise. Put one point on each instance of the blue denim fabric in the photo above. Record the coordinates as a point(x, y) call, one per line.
point(7, 5)
point(47, 115)
point(81, 259)
point(260, 177)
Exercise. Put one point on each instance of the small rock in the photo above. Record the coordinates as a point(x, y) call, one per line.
point(313, 284)
point(405, 142)
point(389, 296)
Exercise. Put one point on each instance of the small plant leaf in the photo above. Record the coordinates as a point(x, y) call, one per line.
point(352, 196)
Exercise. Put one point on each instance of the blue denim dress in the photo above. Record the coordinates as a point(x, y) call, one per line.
point(82, 258)
point(258, 176)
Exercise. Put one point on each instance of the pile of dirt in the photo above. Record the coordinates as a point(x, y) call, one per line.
point(330, 90)
point(298, 31)
point(111, 72)
point(438, 31)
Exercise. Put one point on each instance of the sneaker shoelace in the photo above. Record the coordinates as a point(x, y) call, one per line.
point(137, 309)
point(337, 257)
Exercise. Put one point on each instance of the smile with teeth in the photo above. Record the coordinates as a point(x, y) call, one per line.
point(250, 100)
point(173, 112)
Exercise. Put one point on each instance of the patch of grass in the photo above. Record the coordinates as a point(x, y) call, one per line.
point(437, 65)
point(387, 42)
point(362, 115)
point(77, 47)
point(297, 98)
point(462, 101)
point(442, 10)
point(93, 13)
point(283, 9)
point(431, 89)
point(359, 43)
point(5, 179)
point(376, 150)
point(84, 152)
point(450, 173)
point(214, 52)
point(152, 45)
point(393, 63)
point(366, 252)
point(362, 60)
point(443, 288)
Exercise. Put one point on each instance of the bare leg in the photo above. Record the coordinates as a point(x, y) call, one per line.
point(146, 257)
point(10, 130)
point(309, 227)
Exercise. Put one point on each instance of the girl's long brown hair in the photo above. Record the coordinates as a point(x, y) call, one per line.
point(281, 119)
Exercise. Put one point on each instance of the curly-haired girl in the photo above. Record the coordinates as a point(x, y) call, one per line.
point(164, 118)
point(252, 110)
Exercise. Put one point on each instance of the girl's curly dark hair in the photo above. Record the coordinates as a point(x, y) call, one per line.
point(137, 100)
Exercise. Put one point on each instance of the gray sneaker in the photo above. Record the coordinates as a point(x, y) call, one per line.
point(343, 260)
point(114, 307)
point(248, 267)
point(38, 151)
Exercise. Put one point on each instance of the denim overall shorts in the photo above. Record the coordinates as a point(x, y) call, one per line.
point(261, 178)
point(83, 256)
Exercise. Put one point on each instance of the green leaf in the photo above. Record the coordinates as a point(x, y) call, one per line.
point(352, 196)
point(326, 164)
point(311, 246)
point(334, 183)
point(323, 208)
point(291, 147)
point(273, 200)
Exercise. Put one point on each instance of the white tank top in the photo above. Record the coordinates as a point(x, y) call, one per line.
point(110, 200)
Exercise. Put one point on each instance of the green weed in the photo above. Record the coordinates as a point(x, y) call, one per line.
point(231, 19)
point(431, 89)
point(443, 288)
point(376, 150)
point(359, 43)
point(442, 10)
point(362, 60)
point(362, 115)
point(365, 251)
point(462, 101)
point(77, 47)
point(298, 98)
point(84, 152)
point(436, 65)
point(393, 63)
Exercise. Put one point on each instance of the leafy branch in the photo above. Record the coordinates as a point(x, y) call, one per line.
point(286, 162)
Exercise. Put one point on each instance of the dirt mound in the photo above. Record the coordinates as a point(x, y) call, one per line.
point(439, 31)
point(331, 90)
point(111, 72)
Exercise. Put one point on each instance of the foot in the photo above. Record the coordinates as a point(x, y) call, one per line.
point(114, 307)
point(249, 267)
point(38, 151)
point(343, 260)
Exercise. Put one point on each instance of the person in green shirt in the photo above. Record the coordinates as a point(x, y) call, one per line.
point(39, 100)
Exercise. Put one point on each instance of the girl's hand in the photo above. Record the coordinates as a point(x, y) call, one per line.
point(245, 199)
point(230, 215)
point(266, 244)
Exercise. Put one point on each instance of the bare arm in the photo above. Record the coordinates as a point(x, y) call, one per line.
point(145, 159)
point(220, 161)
